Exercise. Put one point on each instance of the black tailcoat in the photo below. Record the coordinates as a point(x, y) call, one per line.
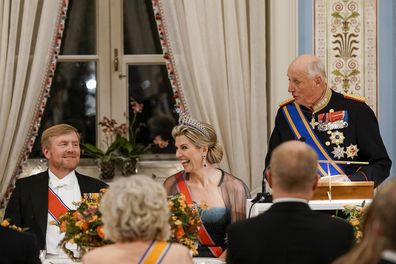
point(28, 205)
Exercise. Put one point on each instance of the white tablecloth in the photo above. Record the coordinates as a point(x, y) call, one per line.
point(259, 208)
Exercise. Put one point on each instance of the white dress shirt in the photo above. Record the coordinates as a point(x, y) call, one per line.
point(69, 191)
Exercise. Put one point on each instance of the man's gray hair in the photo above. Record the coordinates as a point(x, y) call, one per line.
point(316, 67)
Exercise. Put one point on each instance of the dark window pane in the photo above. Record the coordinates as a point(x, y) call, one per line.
point(72, 101)
point(140, 30)
point(79, 37)
point(149, 85)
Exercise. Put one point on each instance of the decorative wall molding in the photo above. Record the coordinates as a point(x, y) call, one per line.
point(346, 40)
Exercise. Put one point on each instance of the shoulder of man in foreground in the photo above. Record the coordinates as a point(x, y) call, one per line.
point(16, 245)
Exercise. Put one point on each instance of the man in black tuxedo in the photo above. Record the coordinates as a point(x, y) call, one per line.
point(290, 232)
point(33, 196)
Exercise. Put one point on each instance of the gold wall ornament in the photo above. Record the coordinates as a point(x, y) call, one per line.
point(346, 41)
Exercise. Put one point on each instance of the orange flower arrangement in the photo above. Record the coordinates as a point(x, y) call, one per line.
point(185, 222)
point(354, 215)
point(83, 226)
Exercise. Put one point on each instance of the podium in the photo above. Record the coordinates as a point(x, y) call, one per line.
point(344, 190)
point(342, 193)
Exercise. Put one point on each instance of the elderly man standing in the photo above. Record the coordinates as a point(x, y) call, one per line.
point(340, 127)
point(290, 232)
point(40, 199)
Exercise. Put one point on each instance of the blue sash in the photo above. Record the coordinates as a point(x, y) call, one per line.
point(302, 129)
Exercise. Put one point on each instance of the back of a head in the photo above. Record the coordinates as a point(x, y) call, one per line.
point(294, 166)
point(135, 208)
point(379, 228)
point(55, 131)
point(383, 210)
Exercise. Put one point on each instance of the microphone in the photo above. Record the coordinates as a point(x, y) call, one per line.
point(263, 196)
point(267, 197)
point(302, 139)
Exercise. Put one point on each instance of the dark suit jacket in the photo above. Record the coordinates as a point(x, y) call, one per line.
point(28, 205)
point(17, 247)
point(289, 232)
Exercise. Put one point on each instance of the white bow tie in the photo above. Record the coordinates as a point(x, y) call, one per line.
point(63, 183)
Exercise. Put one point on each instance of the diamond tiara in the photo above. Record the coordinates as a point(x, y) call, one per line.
point(186, 120)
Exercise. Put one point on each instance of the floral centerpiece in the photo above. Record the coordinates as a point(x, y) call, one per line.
point(354, 214)
point(185, 222)
point(83, 226)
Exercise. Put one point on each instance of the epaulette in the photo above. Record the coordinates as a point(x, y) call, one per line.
point(355, 97)
point(287, 101)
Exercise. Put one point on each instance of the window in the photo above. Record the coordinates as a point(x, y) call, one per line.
point(110, 55)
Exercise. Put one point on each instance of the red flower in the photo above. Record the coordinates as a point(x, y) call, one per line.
point(179, 232)
point(100, 231)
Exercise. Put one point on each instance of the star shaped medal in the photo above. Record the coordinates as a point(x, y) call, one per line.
point(337, 137)
point(338, 152)
point(352, 151)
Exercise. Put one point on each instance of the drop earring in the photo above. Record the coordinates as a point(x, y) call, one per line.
point(204, 164)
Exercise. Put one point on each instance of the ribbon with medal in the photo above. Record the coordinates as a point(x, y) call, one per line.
point(302, 129)
point(332, 120)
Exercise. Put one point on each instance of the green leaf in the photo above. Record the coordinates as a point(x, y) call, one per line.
point(113, 147)
point(92, 151)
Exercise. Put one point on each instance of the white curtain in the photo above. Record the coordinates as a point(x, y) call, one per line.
point(218, 51)
point(30, 33)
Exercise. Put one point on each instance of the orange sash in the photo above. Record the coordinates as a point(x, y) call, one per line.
point(56, 207)
point(203, 234)
point(155, 253)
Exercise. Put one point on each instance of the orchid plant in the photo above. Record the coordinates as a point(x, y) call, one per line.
point(121, 139)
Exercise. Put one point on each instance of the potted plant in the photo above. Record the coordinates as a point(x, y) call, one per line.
point(129, 150)
point(122, 148)
point(106, 158)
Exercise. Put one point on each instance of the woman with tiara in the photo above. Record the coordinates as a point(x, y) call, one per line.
point(219, 196)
